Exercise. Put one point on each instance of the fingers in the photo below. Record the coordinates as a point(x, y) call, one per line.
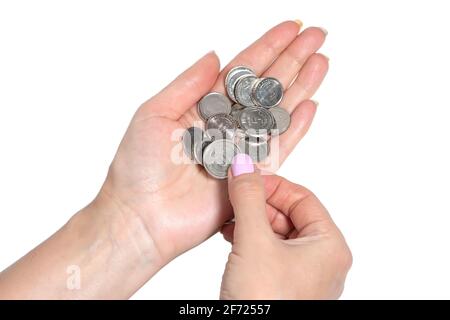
point(285, 53)
point(174, 100)
point(308, 215)
point(260, 55)
point(247, 196)
point(280, 223)
point(293, 211)
point(301, 120)
point(291, 60)
point(308, 81)
point(228, 233)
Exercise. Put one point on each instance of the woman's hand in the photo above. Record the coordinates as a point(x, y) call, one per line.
point(150, 208)
point(285, 245)
point(180, 205)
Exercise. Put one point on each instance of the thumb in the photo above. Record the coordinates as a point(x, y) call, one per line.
point(247, 196)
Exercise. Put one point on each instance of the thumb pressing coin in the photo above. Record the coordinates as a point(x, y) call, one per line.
point(247, 196)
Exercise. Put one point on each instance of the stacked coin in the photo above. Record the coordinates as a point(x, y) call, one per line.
point(244, 126)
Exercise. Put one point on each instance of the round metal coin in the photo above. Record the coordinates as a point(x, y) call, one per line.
point(221, 126)
point(217, 157)
point(256, 148)
point(243, 90)
point(235, 109)
point(256, 121)
point(239, 134)
point(213, 103)
point(267, 92)
point(282, 120)
point(231, 78)
point(190, 137)
point(199, 146)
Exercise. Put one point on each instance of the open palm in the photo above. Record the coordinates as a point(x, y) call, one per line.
point(179, 204)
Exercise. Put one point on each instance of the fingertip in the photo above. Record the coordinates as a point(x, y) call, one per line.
point(315, 32)
point(293, 26)
point(316, 103)
point(302, 118)
point(325, 31)
point(323, 56)
point(213, 58)
point(320, 61)
point(304, 112)
point(210, 65)
point(299, 22)
point(289, 28)
point(241, 164)
point(227, 232)
point(311, 104)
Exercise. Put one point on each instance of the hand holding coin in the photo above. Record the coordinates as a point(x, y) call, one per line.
point(150, 208)
point(304, 257)
point(182, 205)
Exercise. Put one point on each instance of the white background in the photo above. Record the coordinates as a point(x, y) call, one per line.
point(73, 73)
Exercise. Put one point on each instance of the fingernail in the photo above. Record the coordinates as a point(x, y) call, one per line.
point(299, 22)
point(315, 102)
point(325, 31)
point(242, 163)
point(325, 56)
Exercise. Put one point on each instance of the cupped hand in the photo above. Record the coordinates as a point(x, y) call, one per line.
point(285, 245)
point(179, 205)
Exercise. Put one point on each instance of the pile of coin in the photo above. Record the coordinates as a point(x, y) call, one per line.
point(244, 126)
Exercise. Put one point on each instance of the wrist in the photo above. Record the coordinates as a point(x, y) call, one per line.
point(122, 237)
point(98, 254)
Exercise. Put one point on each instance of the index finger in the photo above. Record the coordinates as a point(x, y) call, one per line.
point(306, 212)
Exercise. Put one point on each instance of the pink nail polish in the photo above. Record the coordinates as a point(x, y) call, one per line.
point(242, 163)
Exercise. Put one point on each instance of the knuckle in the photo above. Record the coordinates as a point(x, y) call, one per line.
point(303, 191)
point(344, 257)
point(338, 252)
point(347, 258)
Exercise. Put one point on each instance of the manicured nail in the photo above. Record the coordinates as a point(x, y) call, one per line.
point(299, 22)
point(325, 31)
point(242, 163)
point(315, 102)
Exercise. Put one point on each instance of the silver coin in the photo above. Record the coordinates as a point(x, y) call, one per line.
point(190, 137)
point(243, 89)
point(267, 92)
point(235, 109)
point(256, 121)
point(231, 78)
point(282, 120)
point(256, 147)
point(213, 103)
point(199, 146)
point(221, 126)
point(239, 134)
point(217, 157)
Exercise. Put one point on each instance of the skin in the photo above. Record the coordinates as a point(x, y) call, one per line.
point(307, 258)
point(149, 209)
